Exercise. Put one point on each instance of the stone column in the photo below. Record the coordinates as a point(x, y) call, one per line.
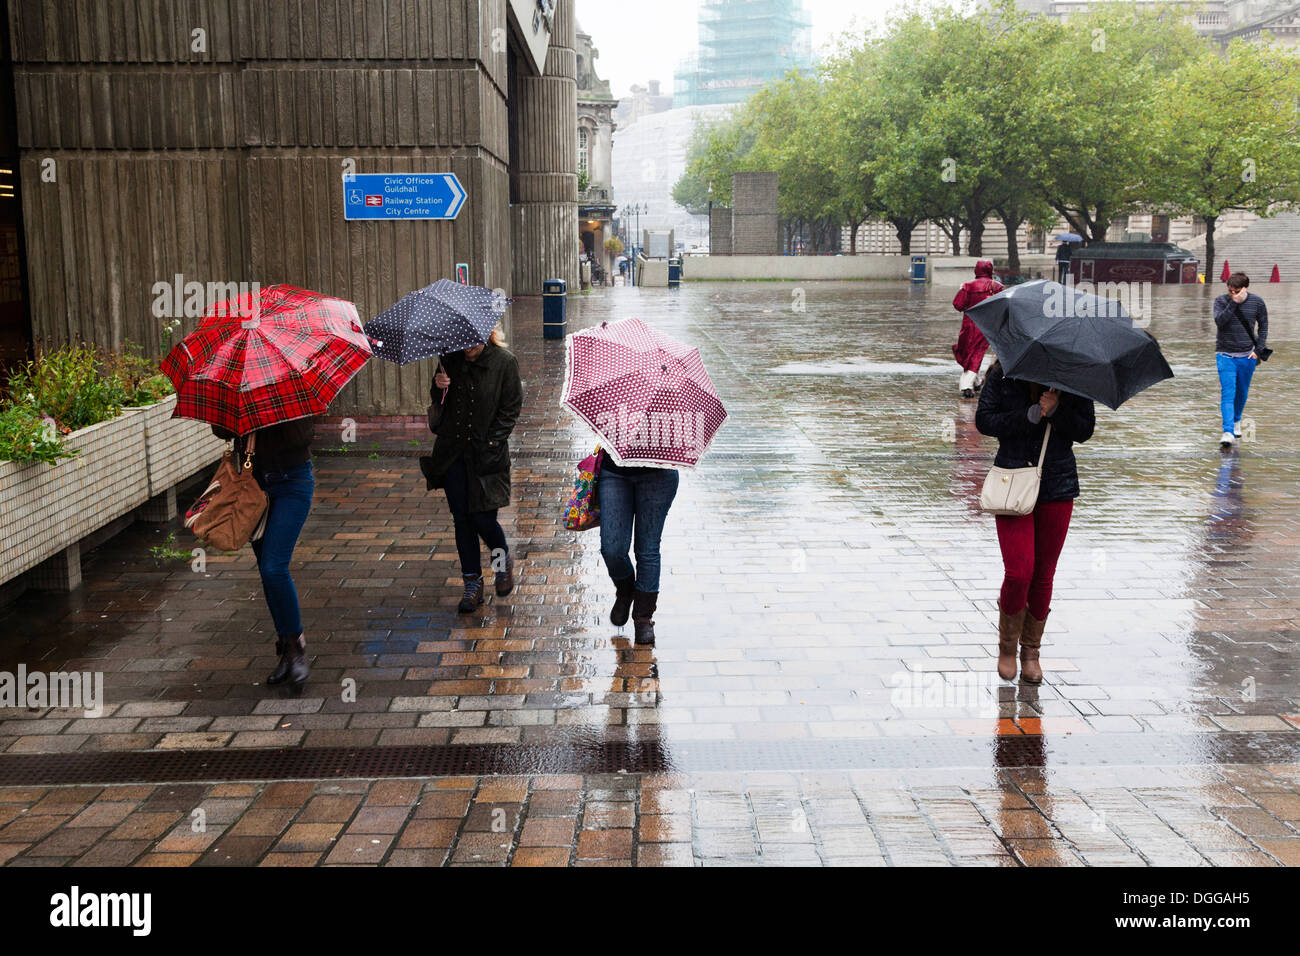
point(544, 126)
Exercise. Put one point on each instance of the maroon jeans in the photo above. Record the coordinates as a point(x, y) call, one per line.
point(1030, 546)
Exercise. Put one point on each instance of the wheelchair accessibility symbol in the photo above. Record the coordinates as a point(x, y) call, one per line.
point(354, 198)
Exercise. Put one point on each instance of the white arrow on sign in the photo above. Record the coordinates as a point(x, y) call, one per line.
point(458, 197)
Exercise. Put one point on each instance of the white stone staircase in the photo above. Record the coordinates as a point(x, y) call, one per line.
point(1255, 249)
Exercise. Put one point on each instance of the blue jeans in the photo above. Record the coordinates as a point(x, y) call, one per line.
point(1234, 386)
point(638, 500)
point(290, 494)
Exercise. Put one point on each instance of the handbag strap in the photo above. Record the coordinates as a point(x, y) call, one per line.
point(1042, 456)
point(248, 450)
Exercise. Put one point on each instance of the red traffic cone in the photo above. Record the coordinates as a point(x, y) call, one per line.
point(1276, 276)
point(1226, 272)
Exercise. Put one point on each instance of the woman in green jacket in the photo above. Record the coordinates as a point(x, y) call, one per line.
point(471, 456)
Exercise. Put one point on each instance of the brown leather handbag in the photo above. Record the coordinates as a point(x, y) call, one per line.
point(232, 511)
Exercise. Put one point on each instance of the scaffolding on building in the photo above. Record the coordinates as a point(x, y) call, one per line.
point(742, 45)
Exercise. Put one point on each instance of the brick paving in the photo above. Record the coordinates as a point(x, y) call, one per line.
point(828, 580)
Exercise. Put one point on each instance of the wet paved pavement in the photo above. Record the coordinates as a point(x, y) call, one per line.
point(829, 601)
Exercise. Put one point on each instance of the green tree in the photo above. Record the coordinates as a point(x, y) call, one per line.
point(1230, 136)
point(849, 134)
point(1101, 80)
point(715, 151)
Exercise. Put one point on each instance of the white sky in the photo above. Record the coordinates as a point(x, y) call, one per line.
point(644, 40)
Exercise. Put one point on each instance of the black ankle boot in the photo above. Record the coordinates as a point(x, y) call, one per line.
point(473, 596)
point(295, 658)
point(643, 612)
point(623, 591)
point(282, 668)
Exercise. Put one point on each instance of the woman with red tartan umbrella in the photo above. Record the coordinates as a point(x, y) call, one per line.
point(971, 348)
point(262, 366)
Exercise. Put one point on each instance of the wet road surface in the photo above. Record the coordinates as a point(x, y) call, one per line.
point(823, 689)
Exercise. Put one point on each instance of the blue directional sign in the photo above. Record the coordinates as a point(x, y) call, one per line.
point(402, 196)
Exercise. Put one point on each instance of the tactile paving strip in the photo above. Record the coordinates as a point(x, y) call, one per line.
point(172, 766)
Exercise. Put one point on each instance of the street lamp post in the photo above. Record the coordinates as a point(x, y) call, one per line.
point(710, 218)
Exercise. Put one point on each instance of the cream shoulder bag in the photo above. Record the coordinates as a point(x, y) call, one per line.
point(1014, 491)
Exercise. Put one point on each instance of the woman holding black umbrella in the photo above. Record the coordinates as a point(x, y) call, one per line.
point(1083, 349)
point(1018, 414)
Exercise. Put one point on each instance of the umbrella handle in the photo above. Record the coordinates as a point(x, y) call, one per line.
point(444, 391)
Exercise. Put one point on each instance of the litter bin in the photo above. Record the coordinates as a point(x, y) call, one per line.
point(674, 272)
point(553, 308)
point(918, 268)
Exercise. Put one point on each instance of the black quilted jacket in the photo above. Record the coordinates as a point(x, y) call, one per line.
point(1004, 414)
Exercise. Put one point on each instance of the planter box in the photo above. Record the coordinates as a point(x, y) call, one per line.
point(45, 509)
point(176, 448)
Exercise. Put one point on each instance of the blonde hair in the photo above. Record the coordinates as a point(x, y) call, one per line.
point(498, 338)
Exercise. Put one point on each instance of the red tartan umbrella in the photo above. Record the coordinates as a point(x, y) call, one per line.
point(269, 357)
point(644, 393)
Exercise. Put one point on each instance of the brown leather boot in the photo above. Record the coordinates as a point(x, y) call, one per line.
point(1009, 629)
point(1031, 639)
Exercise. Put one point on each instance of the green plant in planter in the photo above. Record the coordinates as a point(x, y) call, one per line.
point(136, 377)
point(26, 436)
point(69, 385)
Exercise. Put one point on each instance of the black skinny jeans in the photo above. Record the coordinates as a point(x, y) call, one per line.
point(471, 525)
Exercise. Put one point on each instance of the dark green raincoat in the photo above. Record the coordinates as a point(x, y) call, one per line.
point(482, 407)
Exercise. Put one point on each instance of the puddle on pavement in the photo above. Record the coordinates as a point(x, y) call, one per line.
point(866, 366)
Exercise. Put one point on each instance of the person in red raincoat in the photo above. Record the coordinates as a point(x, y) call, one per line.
point(971, 345)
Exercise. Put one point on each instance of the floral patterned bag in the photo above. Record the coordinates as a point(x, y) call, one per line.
point(583, 512)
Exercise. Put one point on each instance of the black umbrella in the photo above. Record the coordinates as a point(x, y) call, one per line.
point(439, 319)
point(1081, 343)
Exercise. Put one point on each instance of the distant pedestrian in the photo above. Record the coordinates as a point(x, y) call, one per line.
point(471, 457)
point(634, 505)
point(1063, 253)
point(1018, 414)
point(1242, 320)
point(971, 350)
point(282, 467)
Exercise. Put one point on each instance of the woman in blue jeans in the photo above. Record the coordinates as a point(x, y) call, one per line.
point(282, 467)
point(634, 505)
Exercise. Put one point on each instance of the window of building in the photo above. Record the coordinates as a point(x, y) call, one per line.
point(1037, 240)
point(582, 149)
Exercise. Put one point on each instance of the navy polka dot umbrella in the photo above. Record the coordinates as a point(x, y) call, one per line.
point(439, 319)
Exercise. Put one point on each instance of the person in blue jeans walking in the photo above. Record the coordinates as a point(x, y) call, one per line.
point(282, 468)
point(634, 505)
point(1242, 320)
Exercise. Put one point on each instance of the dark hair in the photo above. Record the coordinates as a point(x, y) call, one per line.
point(1238, 280)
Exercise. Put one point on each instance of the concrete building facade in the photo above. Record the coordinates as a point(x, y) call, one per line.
point(596, 106)
point(207, 139)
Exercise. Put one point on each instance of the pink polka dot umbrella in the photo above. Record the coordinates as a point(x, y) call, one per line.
point(644, 393)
